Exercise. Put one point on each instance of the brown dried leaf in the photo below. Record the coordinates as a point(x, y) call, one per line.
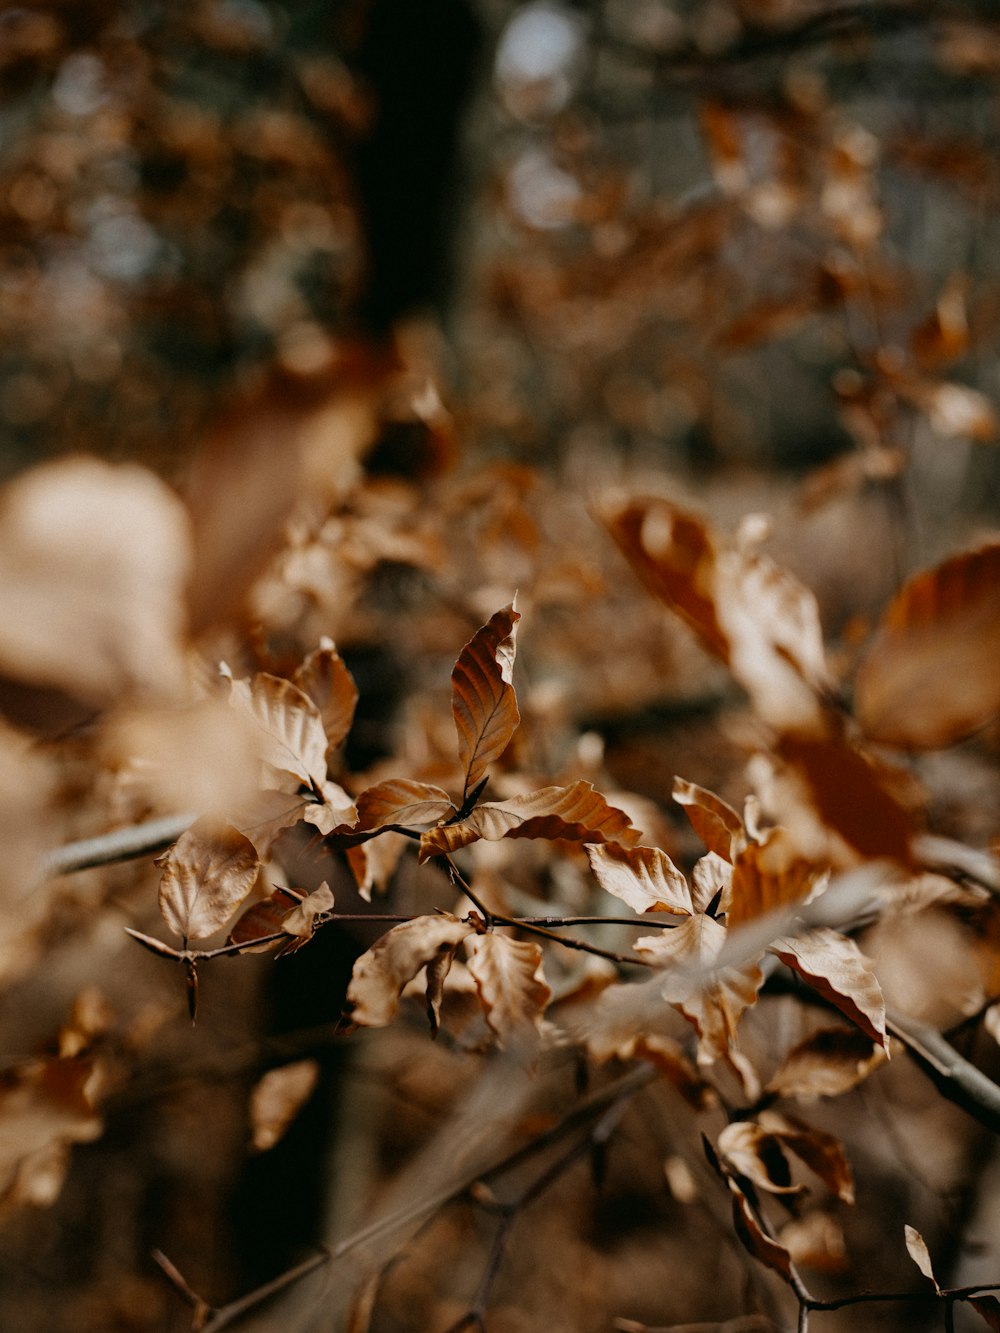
point(752, 615)
point(750, 1151)
point(293, 742)
point(714, 1003)
point(301, 921)
point(827, 1063)
point(206, 875)
point(716, 823)
point(380, 974)
point(669, 1058)
point(328, 683)
point(929, 676)
point(93, 563)
point(816, 1241)
point(403, 803)
point(643, 877)
point(711, 878)
point(764, 1248)
point(822, 1153)
point(265, 815)
point(373, 863)
point(917, 1249)
point(512, 989)
point(483, 702)
point(276, 1100)
point(988, 1307)
point(768, 875)
point(264, 918)
point(835, 966)
point(45, 1107)
point(572, 814)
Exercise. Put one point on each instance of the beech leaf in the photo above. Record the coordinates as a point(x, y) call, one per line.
point(328, 683)
point(264, 918)
point(573, 814)
point(929, 676)
point(643, 877)
point(293, 742)
point(206, 875)
point(512, 989)
point(753, 1152)
point(988, 1307)
point(835, 966)
point(768, 875)
point(403, 803)
point(917, 1249)
point(828, 1063)
point(764, 1248)
point(277, 1098)
point(821, 1152)
point(716, 823)
point(301, 920)
point(381, 973)
point(483, 702)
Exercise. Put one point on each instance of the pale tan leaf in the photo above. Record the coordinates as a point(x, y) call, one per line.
point(822, 1153)
point(956, 411)
point(205, 876)
point(403, 803)
point(835, 966)
point(302, 919)
point(93, 564)
point(264, 816)
point(816, 1241)
point(45, 1107)
point(764, 1248)
point(328, 683)
point(714, 1003)
point(276, 1100)
point(264, 919)
point(644, 878)
point(916, 1248)
point(828, 1063)
point(333, 811)
point(711, 879)
point(752, 615)
point(716, 823)
point(572, 814)
point(929, 676)
point(512, 989)
point(483, 702)
point(437, 974)
point(768, 875)
point(292, 739)
point(750, 1151)
point(380, 974)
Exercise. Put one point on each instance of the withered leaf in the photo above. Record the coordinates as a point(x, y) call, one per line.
point(206, 875)
point(276, 1100)
point(716, 823)
point(751, 1151)
point(751, 614)
point(822, 1153)
point(917, 1249)
point(403, 803)
point(512, 989)
point(301, 921)
point(835, 966)
point(483, 702)
point(988, 1307)
point(293, 742)
point(929, 676)
point(711, 879)
point(373, 863)
point(713, 1001)
point(263, 919)
point(45, 1106)
point(394, 960)
point(828, 1063)
point(768, 875)
point(816, 1241)
point(764, 1248)
point(265, 815)
point(643, 877)
point(573, 814)
point(328, 683)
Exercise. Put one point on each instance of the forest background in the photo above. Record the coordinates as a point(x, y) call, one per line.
point(462, 642)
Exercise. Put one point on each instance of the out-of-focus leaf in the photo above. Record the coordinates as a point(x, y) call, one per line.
point(768, 875)
point(764, 1248)
point(276, 1100)
point(916, 1248)
point(669, 1058)
point(573, 814)
point(929, 676)
point(264, 918)
point(45, 1107)
point(643, 877)
point(206, 875)
point(380, 974)
point(716, 823)
point(828, 1063)
point(750, 1151)
point(328, 683)
point(845, 792)
point(816, 1241)
point(988, 1307)
point(835, 966)
point(293, 742)
point(483, 702)
point(715, 1002)
point(512, 989)
point(752, 615)
point(265, 815)
point(93, 563)
point(822, 1153)
point(955, 411)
